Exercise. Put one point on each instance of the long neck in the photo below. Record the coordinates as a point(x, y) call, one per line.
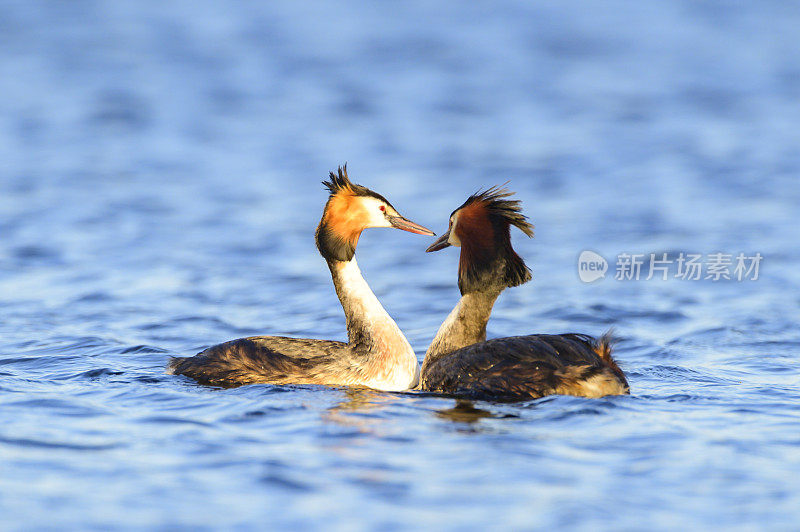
point(390, 362)
point(465, 325)
point(368, 323)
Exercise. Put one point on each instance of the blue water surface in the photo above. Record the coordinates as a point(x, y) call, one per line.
point(160, 168)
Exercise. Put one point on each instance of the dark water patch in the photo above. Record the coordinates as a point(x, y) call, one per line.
point(63, 347)
point(679, 398)
point(579, 317)
point(168, 420)
point(33, 254)
point(773, 368)
point(649, 354)
point(704, 336)
point(622, 313)
point(673, 373)
point(258, 415)
point(784, 348)
point(65, 374)
point(28, 443)
point(120, 109)
point(284, 482)
point(154, 326)
point(97, 373)
point(693, 399)
point(573, 413)
point(146, 379)
point(382, 488)
point(39, 362)
point(142, 349)
point(206, 322)
point(287, 474)
point(59, 407)
point(94, 297)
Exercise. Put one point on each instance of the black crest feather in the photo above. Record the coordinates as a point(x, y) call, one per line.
point(338, 181)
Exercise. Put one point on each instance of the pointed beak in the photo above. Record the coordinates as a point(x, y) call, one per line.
point(441, 243)
point(407, 225)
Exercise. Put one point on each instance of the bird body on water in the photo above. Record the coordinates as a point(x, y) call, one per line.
point(462, 362)
point(376, 354)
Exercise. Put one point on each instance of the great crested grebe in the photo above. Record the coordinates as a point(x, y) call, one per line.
point(461, 361)
point(376, 355)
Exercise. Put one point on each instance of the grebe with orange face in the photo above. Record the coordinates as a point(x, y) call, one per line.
point(376, 355)
point(462, 362)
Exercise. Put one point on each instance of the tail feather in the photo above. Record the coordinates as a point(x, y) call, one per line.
point(603, 346)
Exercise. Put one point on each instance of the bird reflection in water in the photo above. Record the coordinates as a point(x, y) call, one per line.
point(464, 412)
point(359, 401)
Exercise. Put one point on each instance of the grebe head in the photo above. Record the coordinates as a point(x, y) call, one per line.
point(350, 209)
point(481, 227)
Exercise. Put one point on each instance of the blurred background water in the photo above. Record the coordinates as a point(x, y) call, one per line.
point(159, 188)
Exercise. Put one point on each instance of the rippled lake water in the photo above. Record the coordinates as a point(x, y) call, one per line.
point(159, 188)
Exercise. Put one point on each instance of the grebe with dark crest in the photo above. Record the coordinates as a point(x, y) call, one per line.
point(462, 362)
point(376, 355)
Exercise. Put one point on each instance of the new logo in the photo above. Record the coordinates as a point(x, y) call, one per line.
point(591, 266)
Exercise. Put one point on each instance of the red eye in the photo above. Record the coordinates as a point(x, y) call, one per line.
point(382, 208)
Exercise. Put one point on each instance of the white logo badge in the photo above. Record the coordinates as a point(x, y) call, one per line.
point(591, 266)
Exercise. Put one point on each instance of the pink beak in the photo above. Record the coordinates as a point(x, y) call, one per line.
point(407, 225)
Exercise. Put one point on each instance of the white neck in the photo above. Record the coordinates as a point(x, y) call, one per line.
point(465, 325)
point(391, 363)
